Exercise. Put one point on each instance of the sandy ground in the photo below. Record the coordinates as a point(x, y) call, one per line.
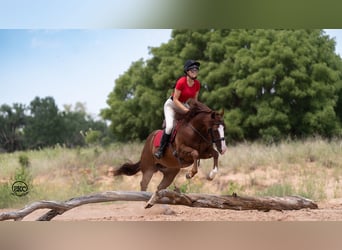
point(135, 211)
point(329, 210)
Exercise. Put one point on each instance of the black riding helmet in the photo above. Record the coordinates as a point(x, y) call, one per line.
point(191, 64)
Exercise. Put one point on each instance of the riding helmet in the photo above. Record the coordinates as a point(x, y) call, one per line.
point(191, 64)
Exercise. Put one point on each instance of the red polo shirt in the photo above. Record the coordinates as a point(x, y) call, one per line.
point(186, 91)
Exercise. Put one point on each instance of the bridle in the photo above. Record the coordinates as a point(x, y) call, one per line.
point(212, 134)
point(210, 131)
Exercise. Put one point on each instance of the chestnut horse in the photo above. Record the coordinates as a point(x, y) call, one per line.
point(199, 135)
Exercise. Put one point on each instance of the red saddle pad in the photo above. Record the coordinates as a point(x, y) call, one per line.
point(157, 138)
point(159, 134)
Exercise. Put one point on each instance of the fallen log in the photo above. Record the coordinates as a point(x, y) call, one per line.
point(233, 202)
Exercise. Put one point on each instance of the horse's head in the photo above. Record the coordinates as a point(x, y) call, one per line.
point(213, 121)
point(216, 129)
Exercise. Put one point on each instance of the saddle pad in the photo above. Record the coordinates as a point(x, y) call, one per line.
point(159, 134)
point(157, 138)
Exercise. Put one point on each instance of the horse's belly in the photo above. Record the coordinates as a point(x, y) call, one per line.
point(171, 161)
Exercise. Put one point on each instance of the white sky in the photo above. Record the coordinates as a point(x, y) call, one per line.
point(75, 65)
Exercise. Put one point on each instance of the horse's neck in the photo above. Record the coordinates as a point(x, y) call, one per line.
point(200, 122)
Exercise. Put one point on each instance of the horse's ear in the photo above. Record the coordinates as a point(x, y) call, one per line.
point(214, 113)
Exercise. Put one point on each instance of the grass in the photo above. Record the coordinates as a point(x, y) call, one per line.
point(310, 168)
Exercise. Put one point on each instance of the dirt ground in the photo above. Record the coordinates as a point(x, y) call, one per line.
point(329, 210)
point(135, 211)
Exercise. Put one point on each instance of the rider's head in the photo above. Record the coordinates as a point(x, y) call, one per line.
point(191, 68)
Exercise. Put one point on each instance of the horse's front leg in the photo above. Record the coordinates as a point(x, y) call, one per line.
point(194, 168)
point(214, 171)
point(195, 156)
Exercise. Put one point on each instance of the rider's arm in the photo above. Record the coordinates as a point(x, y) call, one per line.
point(176, 96)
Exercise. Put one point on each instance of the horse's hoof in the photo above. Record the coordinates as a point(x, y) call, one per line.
point(148, 205)
point(212, 174)
point(188, 176)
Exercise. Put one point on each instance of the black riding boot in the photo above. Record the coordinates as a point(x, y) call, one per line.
point(163, 144)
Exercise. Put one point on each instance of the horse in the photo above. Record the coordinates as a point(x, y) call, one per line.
point(198, 134)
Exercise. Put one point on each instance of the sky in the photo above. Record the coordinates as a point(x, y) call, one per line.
point(75, 65)
point(70, 65)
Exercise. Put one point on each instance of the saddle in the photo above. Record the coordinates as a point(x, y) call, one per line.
point(179, 118)
point(159, 134)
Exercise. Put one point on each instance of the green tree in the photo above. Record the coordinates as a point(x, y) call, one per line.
point(41, 124)
point(338, 109)
point(281, 83)
point(134, 104)
point(45, 126)
point(12, 121)
point(271, 83)
point(77, 123)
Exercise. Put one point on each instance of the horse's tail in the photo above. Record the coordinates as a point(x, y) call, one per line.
point(128, 169)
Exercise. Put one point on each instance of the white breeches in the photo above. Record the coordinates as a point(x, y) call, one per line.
point(169, 113)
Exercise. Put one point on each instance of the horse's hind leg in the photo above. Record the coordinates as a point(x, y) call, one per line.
point(148, 167)
point(146, 178)
point(169, 175)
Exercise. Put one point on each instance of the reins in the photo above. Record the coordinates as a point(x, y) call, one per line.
point(210, 130)
point(199, 133)
point(187, 121)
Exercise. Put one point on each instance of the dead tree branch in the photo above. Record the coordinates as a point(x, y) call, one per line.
point(233, 202)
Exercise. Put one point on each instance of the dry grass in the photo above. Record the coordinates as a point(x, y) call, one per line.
point(311, 168)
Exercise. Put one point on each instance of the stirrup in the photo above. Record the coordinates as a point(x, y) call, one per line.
point(158, 154)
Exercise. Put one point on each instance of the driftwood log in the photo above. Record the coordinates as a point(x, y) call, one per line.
point(233, 202)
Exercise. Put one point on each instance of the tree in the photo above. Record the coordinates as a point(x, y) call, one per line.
point(272, 83)
point(41, 124)
point(45, 126)
point(12, 121)
point(277, 83)
point(78, 124)
point(338, 109)
point(134, 104)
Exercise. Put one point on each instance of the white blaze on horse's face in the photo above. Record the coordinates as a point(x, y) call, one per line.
point(223, 142)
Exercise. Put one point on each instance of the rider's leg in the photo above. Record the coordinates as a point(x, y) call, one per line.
point(163, 144)
point(169, 114)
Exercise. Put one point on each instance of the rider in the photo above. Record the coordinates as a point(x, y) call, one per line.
point(186, 87)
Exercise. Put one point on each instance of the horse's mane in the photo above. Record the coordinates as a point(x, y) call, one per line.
point(196, 107)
